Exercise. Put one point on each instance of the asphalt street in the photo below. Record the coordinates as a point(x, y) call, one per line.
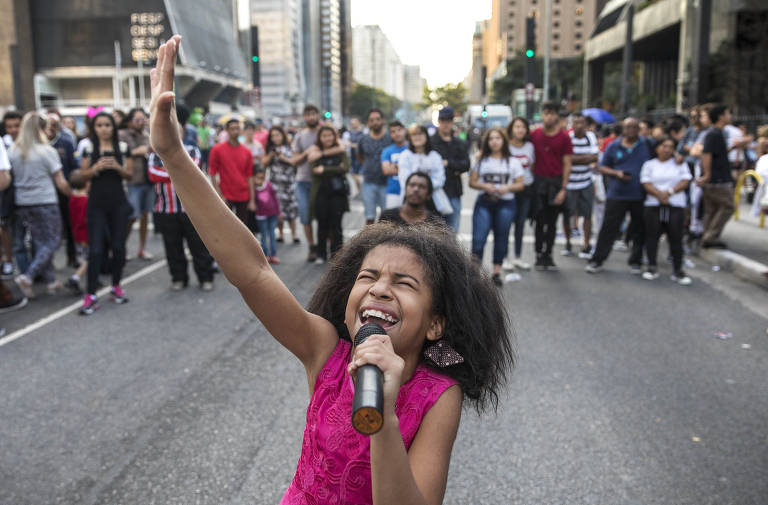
point(622, 395)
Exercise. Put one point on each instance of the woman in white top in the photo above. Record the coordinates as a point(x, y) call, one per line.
point(420, 157)
point(665, 182)
point(522, 149)
point(498, 176)
point(36, 176)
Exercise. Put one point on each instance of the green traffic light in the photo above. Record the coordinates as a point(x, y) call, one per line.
point(327, 115)
point(529, 53)
point(255, 59)
point(484, 113)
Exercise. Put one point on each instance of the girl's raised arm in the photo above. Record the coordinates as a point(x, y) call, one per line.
point(310, 337)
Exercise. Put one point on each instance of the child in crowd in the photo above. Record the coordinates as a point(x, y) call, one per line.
point(439, 345)
point(78, 211)
point(267, 209)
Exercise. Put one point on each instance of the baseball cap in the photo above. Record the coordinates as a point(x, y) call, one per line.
point(446, 113)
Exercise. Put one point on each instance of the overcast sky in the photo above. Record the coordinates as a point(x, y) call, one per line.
point(434, 34)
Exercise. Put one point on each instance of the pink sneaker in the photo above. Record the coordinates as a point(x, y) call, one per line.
point(90, 305)
point(274, 260)
point(118, 295)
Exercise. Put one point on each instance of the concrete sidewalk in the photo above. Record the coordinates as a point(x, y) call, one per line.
point(747, 253)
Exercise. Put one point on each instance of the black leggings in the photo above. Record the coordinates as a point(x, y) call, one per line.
point(329, 210)
point(106, 222)
point(667, 220)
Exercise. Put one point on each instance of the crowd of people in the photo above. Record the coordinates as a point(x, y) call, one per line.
point(633, 181)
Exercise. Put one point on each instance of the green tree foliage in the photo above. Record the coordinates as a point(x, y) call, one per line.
point(364, 98)
point(454, 95)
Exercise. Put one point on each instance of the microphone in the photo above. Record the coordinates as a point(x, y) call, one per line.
point(367, 406)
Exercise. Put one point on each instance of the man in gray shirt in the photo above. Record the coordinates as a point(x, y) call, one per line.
point(374, 189)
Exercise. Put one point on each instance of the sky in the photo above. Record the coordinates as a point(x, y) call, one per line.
point(434, 34)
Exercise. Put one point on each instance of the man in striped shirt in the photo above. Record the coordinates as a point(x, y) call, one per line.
point(581, 191)
point(176, 227)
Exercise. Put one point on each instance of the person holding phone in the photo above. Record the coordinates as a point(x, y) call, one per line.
point(622, 163)
point(105, 164)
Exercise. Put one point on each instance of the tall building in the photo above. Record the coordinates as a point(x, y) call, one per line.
point(72, 54)
point(324, 55)
point(376, 62)
point(475, 78)
point(412, 84)
point(281, 56)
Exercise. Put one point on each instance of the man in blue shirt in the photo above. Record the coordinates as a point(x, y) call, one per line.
point(389, 157)
point(622, 163)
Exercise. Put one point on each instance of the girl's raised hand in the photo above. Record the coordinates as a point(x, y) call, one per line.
point(377, 350)
point(163, 125)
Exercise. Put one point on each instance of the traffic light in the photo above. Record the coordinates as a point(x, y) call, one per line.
point(530, 37)
point(484, 114)
point(255, 64)
point(327, 115)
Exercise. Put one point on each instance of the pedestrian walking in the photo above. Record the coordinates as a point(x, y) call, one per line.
point(352, 138)
point(280, 162)
point(455, 154)
point(11, 125)
point(716, 180)
point(622, 163)
point(521, 148)
point(231, 167)
point(702, 128)
point(253, 143)
point(369, 149)
point(267, 210)
point(105, 165)
point(581, 191)
point(498, 175)
point(552, 171)
point(37, 173)
point(330, 193)
point(665, 181)
point(413, 282)
point(176, 228)
point(66, 150)
point(390, 158)
point(78, 216)
point(141, 191)
point(421, 157)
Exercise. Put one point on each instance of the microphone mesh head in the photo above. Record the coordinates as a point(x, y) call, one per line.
point(366, 331)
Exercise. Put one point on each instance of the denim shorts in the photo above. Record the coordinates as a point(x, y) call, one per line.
point(302, 198)
point(374, 195)
point(142, 199)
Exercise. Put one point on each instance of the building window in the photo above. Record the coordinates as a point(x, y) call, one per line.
point(557, 12)
point(577, 47)
point(577, 35)
point(579, 11)
point(556, 24)
point(578, 23)
point(555, 36)
point(555, 47)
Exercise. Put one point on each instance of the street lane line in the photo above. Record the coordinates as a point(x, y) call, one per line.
point(73, 307)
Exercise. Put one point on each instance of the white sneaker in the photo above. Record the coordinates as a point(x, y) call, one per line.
point(620, 245)
point(682, 279)
point(7, 269)
point(507, 265)
point(650, 275)
point(522, 265)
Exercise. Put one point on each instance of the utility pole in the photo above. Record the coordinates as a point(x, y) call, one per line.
point(626, 74)
point(547, 45)
point(530, 65)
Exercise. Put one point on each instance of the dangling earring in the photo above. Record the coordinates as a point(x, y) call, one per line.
point(442, 354)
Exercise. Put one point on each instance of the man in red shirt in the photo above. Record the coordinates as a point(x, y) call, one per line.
point(231, 167)
point(552, 169)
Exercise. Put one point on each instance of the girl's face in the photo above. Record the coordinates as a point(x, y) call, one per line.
point(392, 291)
point(327, 138)
point(519, 130)
point(258, 178)
point(276, 137)
point(665, 150)
point(495, 141)
point(103, 128)
point(418, 139)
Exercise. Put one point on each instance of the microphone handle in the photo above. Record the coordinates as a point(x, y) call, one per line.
point(367, 407)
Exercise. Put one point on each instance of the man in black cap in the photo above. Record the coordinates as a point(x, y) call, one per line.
point(455, 160)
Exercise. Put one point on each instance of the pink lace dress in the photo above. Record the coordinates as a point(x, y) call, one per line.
point(335, 464)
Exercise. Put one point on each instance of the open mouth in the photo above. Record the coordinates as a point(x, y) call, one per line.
point(384, 319)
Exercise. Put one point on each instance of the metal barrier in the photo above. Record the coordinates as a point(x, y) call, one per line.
point(737, 195)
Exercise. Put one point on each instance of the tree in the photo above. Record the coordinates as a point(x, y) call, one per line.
point(454, 95)
point(364, 98)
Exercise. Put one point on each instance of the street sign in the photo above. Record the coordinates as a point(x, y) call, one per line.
point(529, 90)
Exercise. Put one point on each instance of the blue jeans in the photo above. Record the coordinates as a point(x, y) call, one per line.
point(20, 252)
point(492, 215)
point(267, 235)
point(374, 195)
point(522, 206)
point(454, 220)
point(302, 199)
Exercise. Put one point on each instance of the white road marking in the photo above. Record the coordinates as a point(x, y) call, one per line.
point(73, 307)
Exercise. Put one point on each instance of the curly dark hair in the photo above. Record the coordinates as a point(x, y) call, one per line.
point(476, 322)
